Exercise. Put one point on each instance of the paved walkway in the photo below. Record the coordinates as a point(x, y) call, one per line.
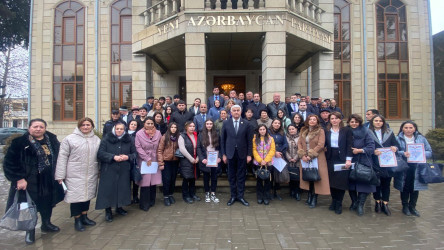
point(286, 224)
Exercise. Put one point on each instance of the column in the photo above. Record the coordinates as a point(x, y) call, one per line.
point(195, 66)
point(322, 75)
point(273, 65)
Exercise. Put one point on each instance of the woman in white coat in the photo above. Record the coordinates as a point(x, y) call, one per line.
point(77, 166)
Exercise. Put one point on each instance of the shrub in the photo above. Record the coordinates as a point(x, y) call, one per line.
point(8, 142)
point(436, 140)
point(98, 133)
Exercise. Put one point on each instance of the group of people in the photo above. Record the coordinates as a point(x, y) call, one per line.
point(242, 133)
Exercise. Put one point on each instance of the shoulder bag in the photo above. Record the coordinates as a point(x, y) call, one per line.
point(364, 174)
point(430, 172)
point(20, 216)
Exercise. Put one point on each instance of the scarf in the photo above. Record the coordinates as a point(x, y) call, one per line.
point(45, 181)
point(130, 132)
point(293, 144)
point(173, 138)
point(114, 133)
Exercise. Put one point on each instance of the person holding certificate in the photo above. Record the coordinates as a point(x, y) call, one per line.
point(263, 152)
point(188, 147)
point(147, 141)
point(311, 146)
point(363, 148)
point(278, 133)
point(208, 152)
point(339, 141)
point(384, 138)
point(409, 135)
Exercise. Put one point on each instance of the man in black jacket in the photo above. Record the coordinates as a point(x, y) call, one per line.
point(256, 106)
point(115, 118)
point(181, 116)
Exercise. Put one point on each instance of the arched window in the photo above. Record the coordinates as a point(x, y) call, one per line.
point(393, 59)
point(68, 61)
point(342, 56)
point(121, 54)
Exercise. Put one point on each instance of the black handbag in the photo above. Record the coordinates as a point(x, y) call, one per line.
point(293, 171)
point(283, 176)
point(402, 166)
point(430, 173)
point(310, 173)
point(263, 173)
point(19, 218)
point(364, 174)
point(136, 176)
point(178, 154)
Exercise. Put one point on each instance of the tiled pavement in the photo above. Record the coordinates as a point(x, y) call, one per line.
point(286, 224)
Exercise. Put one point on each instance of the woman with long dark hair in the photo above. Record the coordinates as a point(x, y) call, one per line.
point(263, 152)
point(384, 138)
point(188, 147)
point(339, 141)
point(281, 115)
point(277, 132)
point(168, 113)
point(208, 141)
point(170, 163)
point(409, 134)
point(298, 121)
point(159, 122)
point(363, 149)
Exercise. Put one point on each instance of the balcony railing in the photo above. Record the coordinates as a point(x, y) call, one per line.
point(167, 8)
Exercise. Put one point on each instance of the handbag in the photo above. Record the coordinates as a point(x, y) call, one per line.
point(136, 176)
point(364, 174)
point(283, 176)
point(178, 154)
point(293, 171)
point(430, 173)
point(402, 166)
point(20, 217)
point(263, 173)
point(310, 173)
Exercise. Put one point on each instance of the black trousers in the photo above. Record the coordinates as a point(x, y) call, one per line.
point(383, 190)
point(294, 186)
point(135, 189)
point(169, 174)
point(147, 196)
point(337, 194)
point(276, 186)
point(188, 187)
point(263, 188)
point(213, 176)
point(237, 175)
point(408, 195)
point(79, 207)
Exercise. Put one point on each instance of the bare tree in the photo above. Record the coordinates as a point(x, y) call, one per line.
point(13, 76)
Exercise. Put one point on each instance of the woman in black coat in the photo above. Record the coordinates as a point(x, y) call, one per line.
point(384, 138)
point(116, 152)
point(159, 122)
point(280, 140)
point(339, 141)
point(133, 126)
point(29, 165)
point(363, 148)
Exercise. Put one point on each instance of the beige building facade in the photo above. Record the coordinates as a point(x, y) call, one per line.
point(89, 56)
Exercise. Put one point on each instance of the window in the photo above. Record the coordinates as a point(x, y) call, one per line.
point(342, 56)
point(68, 62)
point(393, 62)
point(121, 54)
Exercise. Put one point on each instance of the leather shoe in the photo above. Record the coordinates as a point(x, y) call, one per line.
point(231, 201)
point(385, 209)
point(259, 201)
point(108, 215)
point(188, 200)
point(377, 207)
point(172, 200)
point(413, 211)
point(30, 237)
point(266, 202)
point(276, 196)
point(144, 208)
point(121, 211)
point(196, 198)
point(297, 196)
point(47, 226)
point(406, 210)
point(244, 202)
point(78, 226)
point(167, 201)
point(86, 221)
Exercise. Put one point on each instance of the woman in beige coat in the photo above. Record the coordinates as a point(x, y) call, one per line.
point(310, 146)
point(77, 167)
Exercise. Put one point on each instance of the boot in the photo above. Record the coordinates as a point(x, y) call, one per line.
point(354, 199)
point(30, 237)
point(377, 206)
point(78, 226)
point(338, 207)
point(332, 206)
point(314, 201)
point(135, 199)
point(108, 215)
point(405, 203)
point(86, 221)
point(47, 226)
point(292, 193)
point(309, 198)
point(385, 208)
point(121, 211)
point(406, 209)
point(276, 196)
point(412, 204)
point(297, 196)
point(361, 202)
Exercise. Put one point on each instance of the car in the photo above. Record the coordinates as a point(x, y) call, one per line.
point(5, 133)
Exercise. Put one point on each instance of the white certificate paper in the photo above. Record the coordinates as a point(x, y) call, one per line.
point(387, 158)
point(212, 158)
point(417, 153)
point(152, 169)
point(311, 164)
point(279, 163)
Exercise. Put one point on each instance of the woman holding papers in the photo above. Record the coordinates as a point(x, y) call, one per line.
point(384, 138)
point(338, 140)
point(363, 148)
point(263, 153)
point(147, 141)
point(409, 134)
point(166, 158)
point(77, 166)
point(293, 160)
point(208, 141)
point(116, 152)
point(311, 146)
point(188, 147)
point(276, 131)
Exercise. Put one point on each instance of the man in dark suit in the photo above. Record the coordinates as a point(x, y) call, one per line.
point(246, 102)
point(313, 107)
point(293, 106)
point(199, 119)
point(237, 150)
point(256, 106)
point(303, 110)
point(333, 106)
point(149, 103)
point(215, 97)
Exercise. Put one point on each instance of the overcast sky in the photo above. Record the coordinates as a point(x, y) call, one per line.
point(437, 7)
